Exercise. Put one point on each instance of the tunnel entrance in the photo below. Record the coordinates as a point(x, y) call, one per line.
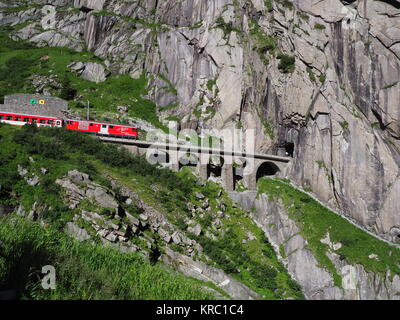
point(289, 149)
point(267, 169)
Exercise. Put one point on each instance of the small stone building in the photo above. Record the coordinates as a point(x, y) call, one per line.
point(34, 104)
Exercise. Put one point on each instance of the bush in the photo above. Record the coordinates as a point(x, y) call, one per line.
point(13, 75)
point(67, 92)
point(287, 63)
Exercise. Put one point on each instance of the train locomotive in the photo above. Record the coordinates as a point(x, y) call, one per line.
point(91, 127)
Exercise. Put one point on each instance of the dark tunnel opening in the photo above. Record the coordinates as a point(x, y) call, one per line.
point(267, 169)
point(289, 149)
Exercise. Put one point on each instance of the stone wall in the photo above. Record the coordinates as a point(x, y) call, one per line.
point(21, 103)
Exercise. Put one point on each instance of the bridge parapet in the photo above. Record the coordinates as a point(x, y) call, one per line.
point(227, 165)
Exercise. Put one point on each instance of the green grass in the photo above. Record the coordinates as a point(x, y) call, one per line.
point(311, 74)
point(83, 271)
point(226, 27)
point(318, 26)
point(60, 151)
point(256, 259)
point(315, 221)
point(19, 60)
point(263, 43)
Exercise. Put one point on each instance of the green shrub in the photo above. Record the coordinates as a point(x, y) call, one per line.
point(67, 91)
point(83, 271)
point(287, 63)
point(319, 26)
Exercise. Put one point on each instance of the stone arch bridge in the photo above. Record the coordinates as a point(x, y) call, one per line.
point(230, 166)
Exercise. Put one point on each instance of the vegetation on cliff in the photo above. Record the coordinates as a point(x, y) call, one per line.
point(84, 271)
point(316, 221)
point(21, 63)
point(238, 246)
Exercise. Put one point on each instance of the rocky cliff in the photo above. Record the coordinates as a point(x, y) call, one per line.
point(328, 256)
point(320, 75)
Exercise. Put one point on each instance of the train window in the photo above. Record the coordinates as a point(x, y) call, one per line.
point(9, 118)
point(111, 127)
point(17, 118)
point(50, 122)
point(42, 121)
point(26, 119)
point(91, 124)
point(1, 117)
point(104, 126)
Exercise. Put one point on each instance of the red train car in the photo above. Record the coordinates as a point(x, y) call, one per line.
point(98, 128)
point(103, 129)
point(20, 120)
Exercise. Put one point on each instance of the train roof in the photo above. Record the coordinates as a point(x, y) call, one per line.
point(31, 115)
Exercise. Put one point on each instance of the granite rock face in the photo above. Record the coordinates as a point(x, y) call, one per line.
point(317, 283)
point(322, 75)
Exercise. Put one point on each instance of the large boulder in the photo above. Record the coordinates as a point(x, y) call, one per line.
point(94, 72)
point(102, 197)
point(78, 177)
point(76, 232)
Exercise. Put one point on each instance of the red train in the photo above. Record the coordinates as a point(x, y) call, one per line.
point(98, 128)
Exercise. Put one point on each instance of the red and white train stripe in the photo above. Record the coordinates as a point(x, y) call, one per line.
point(98, 128)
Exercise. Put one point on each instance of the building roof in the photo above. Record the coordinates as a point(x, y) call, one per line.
point(32, 110)
point(33, 104)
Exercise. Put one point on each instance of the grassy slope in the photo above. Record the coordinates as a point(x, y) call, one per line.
point(19, 60)
point(83, 270)
point(316, 221)
point(60, 151)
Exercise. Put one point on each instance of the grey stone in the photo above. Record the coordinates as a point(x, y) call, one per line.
point(112, 237)
point(122, 109)
point(34, 181)
point(22, 171)
point(76, 232)
point(203, 272)
point(103, 198)
point(134, 221)
point(94, 72)
point(196, 230)
point(78, 177)
point(77, 66)
point(176, 238)
point(21, 210)
point(199, 195)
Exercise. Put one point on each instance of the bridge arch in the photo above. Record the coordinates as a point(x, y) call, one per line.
point(267, 169)
point(188, 160)
point(214, 166)
point(158, 156)
point(239, 166)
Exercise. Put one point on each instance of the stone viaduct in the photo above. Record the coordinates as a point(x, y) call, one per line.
point(229, 166)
